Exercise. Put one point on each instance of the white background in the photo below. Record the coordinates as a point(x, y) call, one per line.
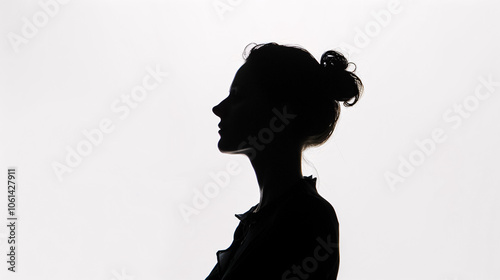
point(117, 214)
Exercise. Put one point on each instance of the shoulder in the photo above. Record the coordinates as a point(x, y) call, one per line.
point(309, 206)
point(305, 227)
point(306, 216)
point(302, 226)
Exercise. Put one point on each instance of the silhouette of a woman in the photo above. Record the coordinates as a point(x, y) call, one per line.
point(281, 102)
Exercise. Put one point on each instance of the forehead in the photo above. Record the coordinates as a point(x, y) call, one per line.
point(245, 76)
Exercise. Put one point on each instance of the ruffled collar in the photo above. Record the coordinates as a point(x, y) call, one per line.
point(310, 182)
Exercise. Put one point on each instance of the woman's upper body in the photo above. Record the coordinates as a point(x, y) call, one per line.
point(281, 102)
point(295, 237)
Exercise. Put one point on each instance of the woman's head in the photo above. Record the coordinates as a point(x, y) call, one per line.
point(287, 79)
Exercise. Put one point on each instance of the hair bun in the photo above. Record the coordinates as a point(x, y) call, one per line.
point(334, 60)
point(339, 83)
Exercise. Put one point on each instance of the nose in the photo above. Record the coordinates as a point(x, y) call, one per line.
point(218, 109)
point(215, 110)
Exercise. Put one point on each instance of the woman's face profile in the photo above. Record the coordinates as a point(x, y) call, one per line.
point(243, 113)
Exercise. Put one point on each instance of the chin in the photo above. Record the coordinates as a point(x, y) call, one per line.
point(224, 147)
point(229, 147)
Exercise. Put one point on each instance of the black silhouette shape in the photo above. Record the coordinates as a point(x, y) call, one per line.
point(281, 102)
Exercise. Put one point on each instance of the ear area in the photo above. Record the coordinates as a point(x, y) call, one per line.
point(288, 114)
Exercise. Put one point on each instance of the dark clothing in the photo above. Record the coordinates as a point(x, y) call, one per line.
point(295, 237)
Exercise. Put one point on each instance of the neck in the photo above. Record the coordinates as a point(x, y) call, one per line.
point(277, 169)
